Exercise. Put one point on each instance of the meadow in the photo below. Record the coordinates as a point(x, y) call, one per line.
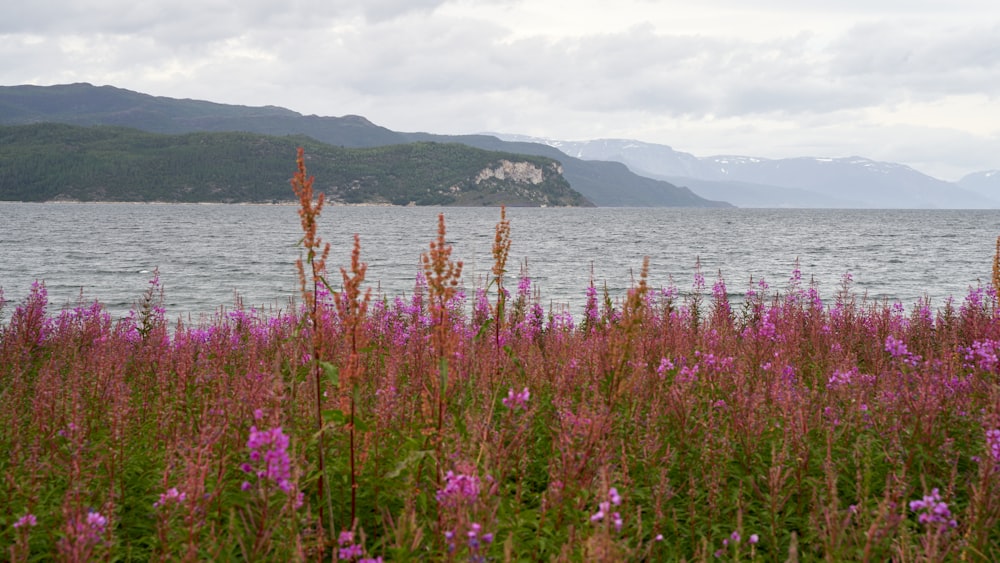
point(668, 425)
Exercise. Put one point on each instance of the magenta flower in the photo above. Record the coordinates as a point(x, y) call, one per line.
point(271, 447)
point(613, 495)
point(604, 510)
point(933, 511)
point(895, 347)
point(993, 443)
point(516, 401)
point(172, 495)
point(28, 520)
point(458, 489)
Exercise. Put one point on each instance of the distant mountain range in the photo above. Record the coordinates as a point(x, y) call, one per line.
point(601, 183)
point(744, 181)
point(607, 172)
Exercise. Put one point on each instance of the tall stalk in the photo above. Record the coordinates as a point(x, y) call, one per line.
point(501, 249)
point(353, 309)
point(316, 254)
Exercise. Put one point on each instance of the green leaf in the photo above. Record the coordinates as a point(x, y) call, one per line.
point(412, 459)
point(443, 372)
point(334, 416)
point(331, 372)
point(483, 330)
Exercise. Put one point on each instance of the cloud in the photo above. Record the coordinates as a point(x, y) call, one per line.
point(777, 75)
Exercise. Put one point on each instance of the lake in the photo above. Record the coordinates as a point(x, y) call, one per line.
point(208, 254)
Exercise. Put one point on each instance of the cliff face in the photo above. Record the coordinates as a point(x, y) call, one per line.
point(517, 172)
point(517, 182)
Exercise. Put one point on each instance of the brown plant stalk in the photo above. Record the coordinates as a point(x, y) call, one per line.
point(316, 254)
point(353, 309)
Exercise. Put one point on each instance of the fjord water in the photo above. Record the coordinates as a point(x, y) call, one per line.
point(209, 254)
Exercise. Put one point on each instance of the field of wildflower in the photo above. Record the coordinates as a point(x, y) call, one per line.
point(668, 425)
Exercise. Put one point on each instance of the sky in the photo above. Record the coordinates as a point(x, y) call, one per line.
point(909, 81)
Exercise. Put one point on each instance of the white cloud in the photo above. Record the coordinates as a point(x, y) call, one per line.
point(913, 81)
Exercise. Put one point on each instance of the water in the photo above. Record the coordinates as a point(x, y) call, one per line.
point(209, 254)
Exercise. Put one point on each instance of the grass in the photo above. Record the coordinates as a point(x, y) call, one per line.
point(357, 427)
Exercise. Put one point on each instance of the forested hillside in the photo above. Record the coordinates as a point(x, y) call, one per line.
point(47, 161)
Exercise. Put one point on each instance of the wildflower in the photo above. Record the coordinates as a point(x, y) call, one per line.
point(591, 314)
point(350, 552)
point(604, 508)
point(26, 520)
point(458, 489)
point(665, 365)
point(516, 401)
point(172, 495)
point(993, 443)
point(933, 510)
point(841, 378)
point(895, 347)
point(616, 498)
point(754, 538)
point(599, 515)
point(96, 521)
point(271, 447)
point(524, 287)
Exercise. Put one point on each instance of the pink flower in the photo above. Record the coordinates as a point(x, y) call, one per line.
point(26, 520)
point(458, 489)
point(516, 401)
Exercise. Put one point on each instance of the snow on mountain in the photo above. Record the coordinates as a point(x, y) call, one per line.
point(852, 181)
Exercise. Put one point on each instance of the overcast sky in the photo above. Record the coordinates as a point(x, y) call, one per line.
point(910, 81)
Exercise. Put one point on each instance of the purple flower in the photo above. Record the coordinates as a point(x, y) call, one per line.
point(351, 552)
point(458, 489)
point(524, 287)
point(993, 443)
point(516, 401)
point(96, 521)
point(754, 538)
point(665, 364)
point(172, 495)
point(933, 511)
point(896, 347)
point(271, 447)
point(613, 495)
point(26, 520)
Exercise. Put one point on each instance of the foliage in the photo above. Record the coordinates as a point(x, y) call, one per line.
point(663, 427)
point(45, 162)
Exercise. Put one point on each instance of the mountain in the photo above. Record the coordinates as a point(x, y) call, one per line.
point(789, 182)
point(602, 183)
point(52, 161)
point(607, 184)
point(986, 183)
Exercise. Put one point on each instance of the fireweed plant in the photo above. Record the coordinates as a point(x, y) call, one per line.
point(670, 425)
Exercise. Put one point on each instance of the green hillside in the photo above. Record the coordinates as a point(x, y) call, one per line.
point(602, 183)
point(48, 161)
